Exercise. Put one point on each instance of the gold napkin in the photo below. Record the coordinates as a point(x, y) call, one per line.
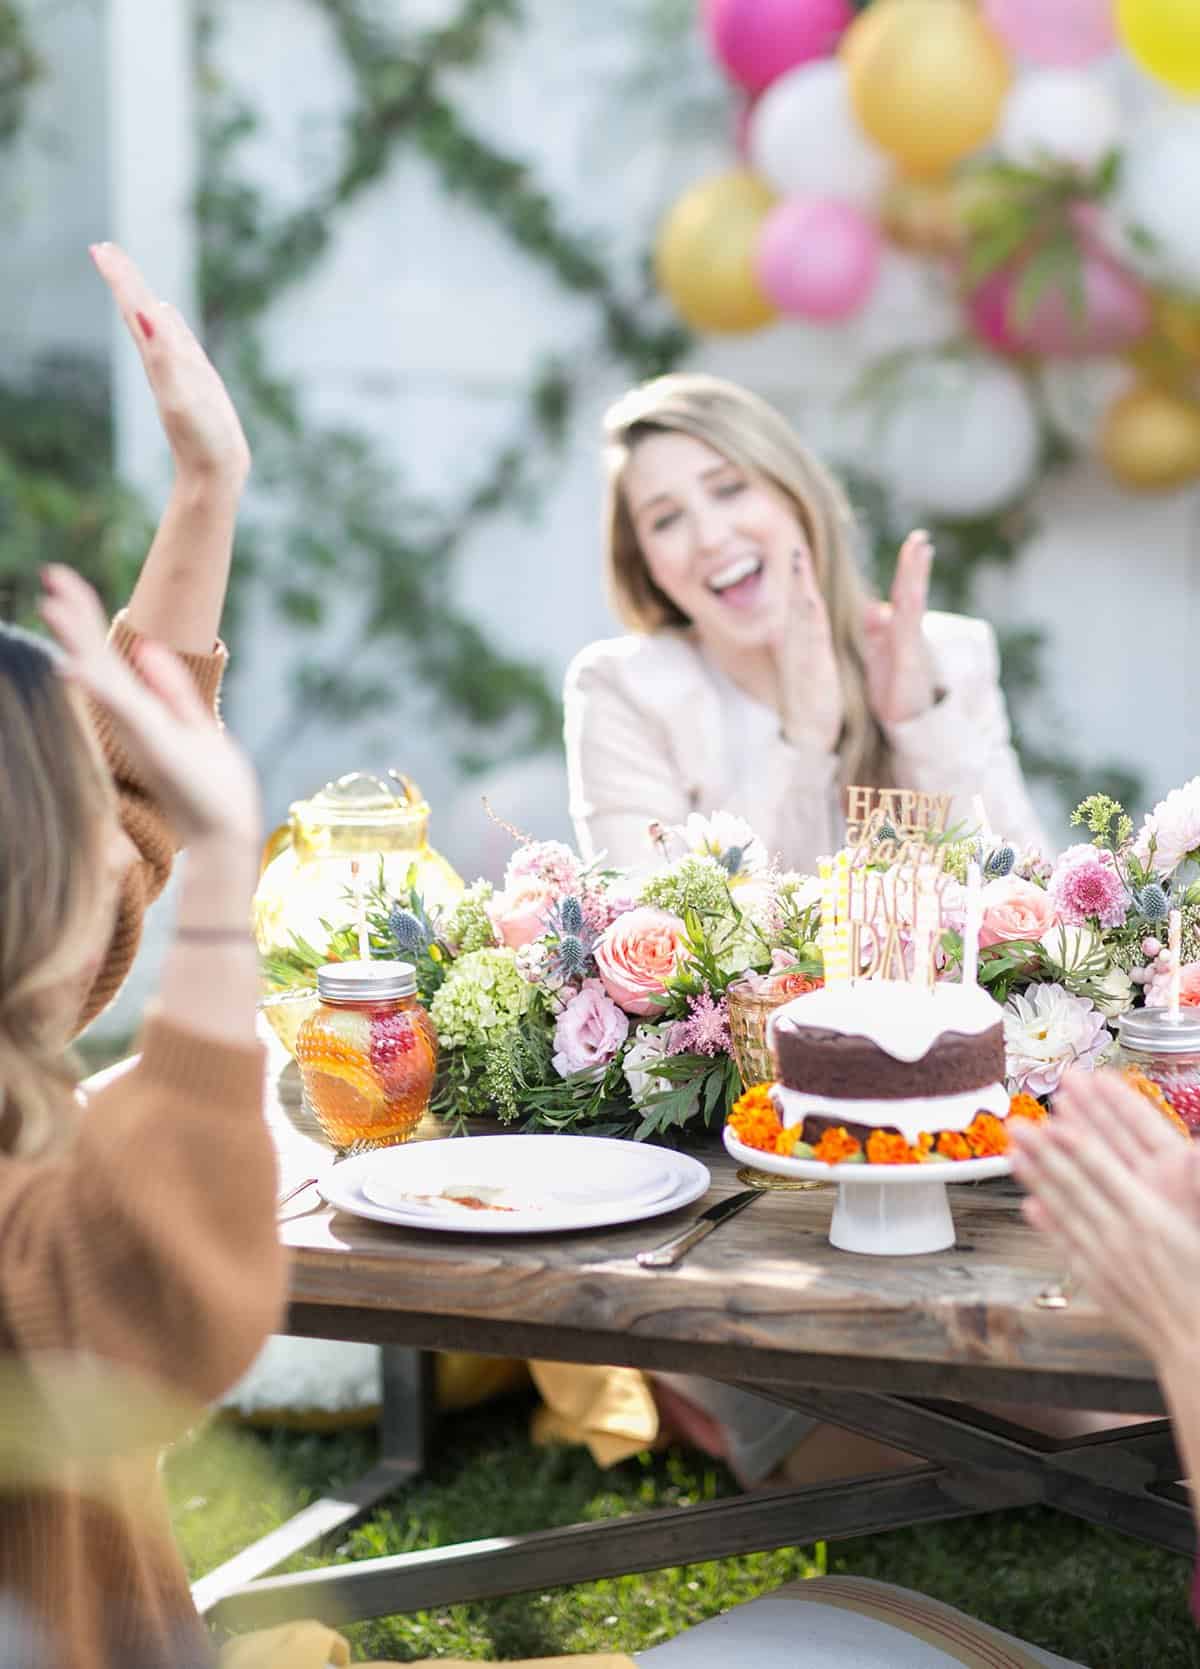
point(612, 1410)
point(311, 1645)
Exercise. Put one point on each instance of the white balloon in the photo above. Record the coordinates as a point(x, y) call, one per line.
point(1156, 210)
point(1059, 116)
point(804, 138)
point(1078, 392)
point(913, 305)
point(957, 436)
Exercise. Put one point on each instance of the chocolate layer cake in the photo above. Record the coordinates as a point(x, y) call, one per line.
point(880, 1055)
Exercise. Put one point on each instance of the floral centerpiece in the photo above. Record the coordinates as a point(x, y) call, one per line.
point(578, 997)
point(575, 997)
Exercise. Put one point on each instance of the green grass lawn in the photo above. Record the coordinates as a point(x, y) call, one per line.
point(1110, 1602)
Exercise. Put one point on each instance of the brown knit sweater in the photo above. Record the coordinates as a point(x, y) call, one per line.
point(140, 1271)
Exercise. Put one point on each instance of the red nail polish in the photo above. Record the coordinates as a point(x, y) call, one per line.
point(147, 326)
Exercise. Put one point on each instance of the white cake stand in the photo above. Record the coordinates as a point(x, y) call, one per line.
point(884, 1210)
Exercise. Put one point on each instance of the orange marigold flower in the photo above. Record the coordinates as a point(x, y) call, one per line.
point(1154, 1092)
point(786, 1140)
point(986, 1136)
point(884, 1148)
point(753, 1119)
point(952, 1144)
point(837, 1145)
point(1026, 1106)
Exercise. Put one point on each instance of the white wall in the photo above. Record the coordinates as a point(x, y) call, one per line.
point(425, 325)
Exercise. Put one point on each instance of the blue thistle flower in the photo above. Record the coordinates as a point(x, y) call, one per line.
point(572, 956)
point(731, 859)
point(886, 831)
point(1152, 903)
point(570, 916)
point(409, 934)
point(999, 863)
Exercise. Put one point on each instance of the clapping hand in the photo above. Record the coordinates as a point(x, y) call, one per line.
point(1117, 1189)
point(900, 679)
point(201, 425)
point(809, 684)
point(199, 776)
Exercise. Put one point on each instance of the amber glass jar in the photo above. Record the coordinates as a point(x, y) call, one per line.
point(367, 1054)
point(1167, 1050)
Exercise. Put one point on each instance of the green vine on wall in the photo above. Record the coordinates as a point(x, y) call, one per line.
point(348, 514)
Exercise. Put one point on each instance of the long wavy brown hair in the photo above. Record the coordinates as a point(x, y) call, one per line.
point(757, 439)
point(57, 799)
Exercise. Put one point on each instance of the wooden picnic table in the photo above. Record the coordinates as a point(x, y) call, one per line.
point(898, 1348)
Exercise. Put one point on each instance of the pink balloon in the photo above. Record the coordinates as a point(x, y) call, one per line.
point(1115, 312)
point(1060, 32)
point(818, 257)
point(757, 40)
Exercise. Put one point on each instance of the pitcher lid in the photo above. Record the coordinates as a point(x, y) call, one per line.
point(362, 800)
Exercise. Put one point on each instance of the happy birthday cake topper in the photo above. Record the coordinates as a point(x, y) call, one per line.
point(886, 881)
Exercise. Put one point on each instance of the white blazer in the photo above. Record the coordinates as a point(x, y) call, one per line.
point(654, 731)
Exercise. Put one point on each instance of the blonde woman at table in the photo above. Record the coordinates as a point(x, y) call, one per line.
point(759, 676)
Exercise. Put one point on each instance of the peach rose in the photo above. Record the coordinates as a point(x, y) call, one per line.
point(519, 913)
point(635, 957)
point(1015, 909)
point(1189, 985)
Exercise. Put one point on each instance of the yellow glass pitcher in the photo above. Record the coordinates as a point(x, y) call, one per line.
point(307, 872)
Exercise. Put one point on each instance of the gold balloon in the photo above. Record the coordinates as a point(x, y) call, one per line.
point(1177, 321)
point(928, 80)
point(704, 259)
point(924, 215)
point(1150, 439)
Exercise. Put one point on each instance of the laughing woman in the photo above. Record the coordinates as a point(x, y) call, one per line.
point(761, 677)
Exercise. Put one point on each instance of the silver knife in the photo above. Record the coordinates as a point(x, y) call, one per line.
point(669, 1253)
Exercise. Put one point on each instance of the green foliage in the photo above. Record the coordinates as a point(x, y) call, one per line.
point(1106, 819)
point(344, 511)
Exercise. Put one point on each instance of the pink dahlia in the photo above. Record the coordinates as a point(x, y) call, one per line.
point(1086, 887)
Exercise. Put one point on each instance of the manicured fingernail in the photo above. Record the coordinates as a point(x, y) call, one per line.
point(147, 327)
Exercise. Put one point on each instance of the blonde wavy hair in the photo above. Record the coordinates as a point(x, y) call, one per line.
point(56, 793)
point(758, 440)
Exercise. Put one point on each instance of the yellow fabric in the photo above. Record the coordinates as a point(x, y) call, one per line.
point(304, 1645)
point(464, 1380)
point(310, 1645)
point(611, 1410)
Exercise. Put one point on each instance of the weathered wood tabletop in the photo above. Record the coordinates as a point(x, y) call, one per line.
point(764, 1297)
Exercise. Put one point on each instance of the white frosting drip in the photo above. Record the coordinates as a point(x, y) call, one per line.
point(905, 1021)
point(912, 1117)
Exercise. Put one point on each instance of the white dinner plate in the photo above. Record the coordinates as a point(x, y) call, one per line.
point(532, 1184)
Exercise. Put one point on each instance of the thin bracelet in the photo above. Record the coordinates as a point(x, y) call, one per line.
point(214, 934)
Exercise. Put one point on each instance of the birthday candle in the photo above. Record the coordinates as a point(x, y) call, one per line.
point(974, 917)
point(1175, 946)
point(842, 892)
point(360, 911)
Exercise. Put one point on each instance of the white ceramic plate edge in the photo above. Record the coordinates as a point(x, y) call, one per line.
point(343, 1192)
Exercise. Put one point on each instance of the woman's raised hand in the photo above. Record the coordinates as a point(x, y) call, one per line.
point(202, 427)
point(810, 688)
point(200, 777)
point(1118, 1191)
point(900, 678)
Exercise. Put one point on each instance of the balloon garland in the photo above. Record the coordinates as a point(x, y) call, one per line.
point(986, 140)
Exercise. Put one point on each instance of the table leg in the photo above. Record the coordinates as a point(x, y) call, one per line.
point(405, 1426)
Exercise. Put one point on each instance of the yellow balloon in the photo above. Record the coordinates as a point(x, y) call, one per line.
point(1164, 37)
point(928, 80)
point(704, 259)
point(1150, 439)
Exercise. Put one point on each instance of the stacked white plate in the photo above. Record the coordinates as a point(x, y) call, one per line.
point(515, 1184)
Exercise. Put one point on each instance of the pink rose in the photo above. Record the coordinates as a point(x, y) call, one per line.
point(1015, 909)
point(519, 912)
point(588, 1032)
point(635, 958)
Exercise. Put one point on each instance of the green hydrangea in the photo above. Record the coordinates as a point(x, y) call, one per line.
point(695, 882)
point(468, 925)
point(483, 997)
point(959, 854)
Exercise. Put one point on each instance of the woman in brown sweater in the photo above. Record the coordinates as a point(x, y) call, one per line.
point(139, 1264)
